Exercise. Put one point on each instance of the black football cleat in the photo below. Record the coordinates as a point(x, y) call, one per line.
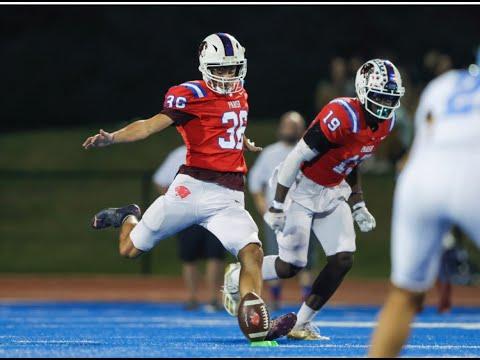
point(114, 216)
point(281, 326)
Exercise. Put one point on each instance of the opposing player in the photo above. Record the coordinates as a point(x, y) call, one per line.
point(328, 193)
point(211, 116)
point(437, 189)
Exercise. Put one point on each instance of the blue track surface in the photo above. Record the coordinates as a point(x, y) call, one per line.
point(161, 330)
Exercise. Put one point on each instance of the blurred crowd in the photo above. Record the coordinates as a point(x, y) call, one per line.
point(341, 82)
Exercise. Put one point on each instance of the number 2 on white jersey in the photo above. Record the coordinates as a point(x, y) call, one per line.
point(235, 132)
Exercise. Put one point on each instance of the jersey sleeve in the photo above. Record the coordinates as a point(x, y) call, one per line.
point(329, 129)
point(181, 102)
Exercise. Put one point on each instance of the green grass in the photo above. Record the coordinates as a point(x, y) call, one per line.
point(44, 223)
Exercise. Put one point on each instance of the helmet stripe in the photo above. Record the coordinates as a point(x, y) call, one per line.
point(227, 44)
point(390, 71)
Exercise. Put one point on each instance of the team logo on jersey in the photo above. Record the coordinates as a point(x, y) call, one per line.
point(182, 191)
point(367, 149)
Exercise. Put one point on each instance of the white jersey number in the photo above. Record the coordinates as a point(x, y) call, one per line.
point(332, 124)
point(466, 97)
point(235, 131)
point(346, 166)
point(178, 102)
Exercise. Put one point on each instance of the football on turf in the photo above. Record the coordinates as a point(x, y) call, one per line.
point(253, 317)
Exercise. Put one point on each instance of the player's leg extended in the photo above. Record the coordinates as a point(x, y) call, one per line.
point(126, 247)
point(336, 233)
point(251, 258)
point(293, 248)
point(166, 216)
point(416, 250)
point(237, 231)
point(126, 218)
point(394, 322)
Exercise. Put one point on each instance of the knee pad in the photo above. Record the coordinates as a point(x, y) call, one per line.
point(342, 261)
point(286, 270)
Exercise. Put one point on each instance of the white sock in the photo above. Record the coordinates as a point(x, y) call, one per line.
point(305, 315)
point(129, 216)
point(268, 270)
point(236, 277)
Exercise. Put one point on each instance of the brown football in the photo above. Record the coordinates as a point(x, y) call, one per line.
point(253, 317)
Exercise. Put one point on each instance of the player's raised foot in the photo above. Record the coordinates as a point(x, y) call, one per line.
point(114, 216)
point(306, 332)
point(281, 326)
point(231, 293)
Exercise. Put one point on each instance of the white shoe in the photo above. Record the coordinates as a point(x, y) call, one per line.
point(306, 332)
point(231, 292)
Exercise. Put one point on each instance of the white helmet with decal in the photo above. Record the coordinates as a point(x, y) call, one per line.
point(222, 50)
point(379, 88)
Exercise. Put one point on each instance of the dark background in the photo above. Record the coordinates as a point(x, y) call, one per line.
point(73, 65)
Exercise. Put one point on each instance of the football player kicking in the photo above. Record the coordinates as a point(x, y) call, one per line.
point(328, 191)
point(211, 116)
point(446, 145)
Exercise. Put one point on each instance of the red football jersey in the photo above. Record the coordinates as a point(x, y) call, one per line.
point(342, 121)
point(214, 132)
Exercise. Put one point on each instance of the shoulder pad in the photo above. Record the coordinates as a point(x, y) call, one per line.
point(194, 88)
point(349, 110)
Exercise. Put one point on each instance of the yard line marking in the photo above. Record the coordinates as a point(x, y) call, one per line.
point(82, 342)
point(178, 321)
point(358, 346)
point(417, 325)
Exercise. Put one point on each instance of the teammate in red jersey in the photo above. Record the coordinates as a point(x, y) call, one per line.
point(211, 115)
point(318, 187)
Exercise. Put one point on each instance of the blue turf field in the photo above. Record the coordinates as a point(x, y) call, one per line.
point(161, 330)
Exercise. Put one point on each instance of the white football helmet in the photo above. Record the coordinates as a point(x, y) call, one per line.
point(379, 88)
point(222, 50)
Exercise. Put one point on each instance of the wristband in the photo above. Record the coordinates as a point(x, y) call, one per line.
point(358, 205)
point(277, 205)
point(357, 193)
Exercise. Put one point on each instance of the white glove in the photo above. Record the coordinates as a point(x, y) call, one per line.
point(276, 220)
point(365, 221)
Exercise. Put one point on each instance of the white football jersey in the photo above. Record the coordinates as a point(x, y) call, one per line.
point(439, 186)
point(448, 115)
